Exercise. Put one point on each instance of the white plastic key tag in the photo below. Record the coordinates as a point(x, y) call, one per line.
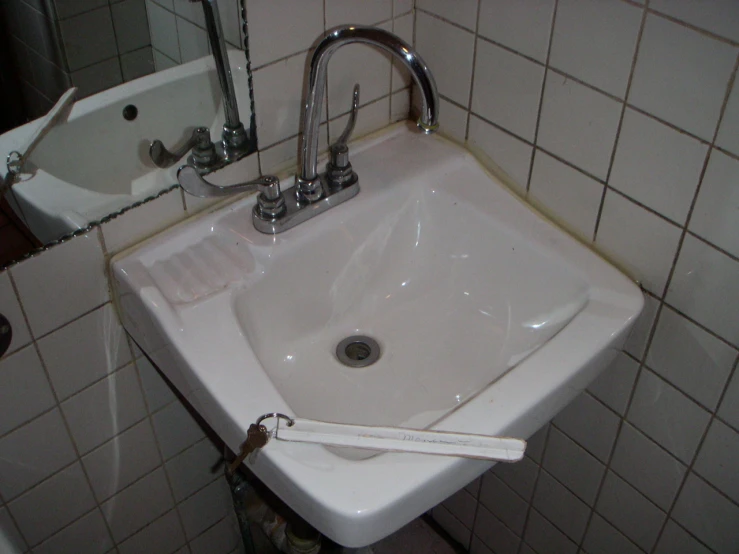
point(396, 439)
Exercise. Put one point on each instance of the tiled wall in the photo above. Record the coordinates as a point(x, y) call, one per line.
point(633, 147)
point(621, 120)
point(97, 454)
point(90, 44)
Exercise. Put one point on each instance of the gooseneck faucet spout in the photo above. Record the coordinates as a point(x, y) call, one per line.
point(308, 181)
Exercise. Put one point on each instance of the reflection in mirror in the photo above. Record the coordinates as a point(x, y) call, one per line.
point(134, 86)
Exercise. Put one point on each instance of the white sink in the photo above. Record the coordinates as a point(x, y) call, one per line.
point(489, 318)
point(96, 162)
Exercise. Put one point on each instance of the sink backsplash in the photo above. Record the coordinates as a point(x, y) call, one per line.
point(640, 460)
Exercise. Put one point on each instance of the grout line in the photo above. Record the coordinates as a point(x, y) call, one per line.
point(540, 107)
point(617, 137)
point(530, 503)
point(681, 241)
point(704, 32)
point(468, 109)
point(692, 463)
point(445, 20)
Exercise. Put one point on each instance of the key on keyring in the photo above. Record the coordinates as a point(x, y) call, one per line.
point(256, 437)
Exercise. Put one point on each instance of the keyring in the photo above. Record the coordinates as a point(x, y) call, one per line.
point(14, 162)
point(290, 421)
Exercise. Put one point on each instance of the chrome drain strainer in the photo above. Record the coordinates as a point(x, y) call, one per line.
point(358, 351)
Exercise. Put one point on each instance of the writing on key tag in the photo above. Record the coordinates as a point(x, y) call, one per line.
point(256, 437)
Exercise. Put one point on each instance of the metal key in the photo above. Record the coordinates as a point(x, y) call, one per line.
point(256, 437)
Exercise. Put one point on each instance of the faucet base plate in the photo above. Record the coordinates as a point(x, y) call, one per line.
point(297, 212)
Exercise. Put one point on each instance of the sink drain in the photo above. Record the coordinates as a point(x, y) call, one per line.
point(358, 351)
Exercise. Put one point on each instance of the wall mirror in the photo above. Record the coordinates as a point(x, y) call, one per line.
point(134, 86)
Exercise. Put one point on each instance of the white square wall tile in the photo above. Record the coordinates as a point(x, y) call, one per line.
point(402, 6)
point(647, 467)
point(462, 12)
point(603, 538)
point(194, 468)
point(24, 389)
point(304, 20)
point(561, 507)
point(451, 525)
point(494, 534)
point(705, 287)
point(595, 42)
point(453, 121)
point(121, 461)
point(462, 505)
point(578, 124)
point(65, 496)
point(278, 90)
point(88, 534)
point(76, 267)
point(589, 423)
point(720, 17)
point(103, 410)
point(707, 514)
point(163, 536)
point(676, 539)
point(571, 198)
point(12, 537)
point(573, 466)
point(359, 12)
point(193, 41)
point(452, 67)
point(690, 358)
point(142, 222)
point(504, 151)
point(130, 32)
point(89, 38)
point(33, 452)
point(223, 538)
point(636, 342)
point(11, 309)
point(728, 133)
point(521, 476)
point(205, 508)
point(716, 461)
point(667, 416)
point(523, 26)
point(84, 351)
point(639, 241)
point(138, 505)
point(503, 502)
point(176, 429)
point(657, 165)
point(681, 76)
point(546, 538)
point(729, 409)
point(641, 522)
point(163, 29)
point(716, 213)
point(613, 386)
point(507, 89)
point(156, 390)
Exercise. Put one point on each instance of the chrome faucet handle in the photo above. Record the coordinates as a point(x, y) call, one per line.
point(203, 150)
point(339, 170)
point(270, 202)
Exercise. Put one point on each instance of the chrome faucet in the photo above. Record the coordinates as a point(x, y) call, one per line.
point(234, 144)
point(315, 193)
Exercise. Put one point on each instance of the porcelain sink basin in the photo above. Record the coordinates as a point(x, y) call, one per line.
point(489, 320)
